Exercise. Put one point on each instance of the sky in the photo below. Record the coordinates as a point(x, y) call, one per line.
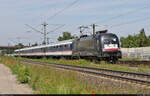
point(121, 17)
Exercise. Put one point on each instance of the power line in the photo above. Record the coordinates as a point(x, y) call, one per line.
point(44, 32)
point(69, 6)
point(56, 29)
point(34, 29)
point(130, 22)
point(127, 13)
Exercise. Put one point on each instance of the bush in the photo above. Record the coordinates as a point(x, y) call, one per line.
point(23, 75)
point(47, 80)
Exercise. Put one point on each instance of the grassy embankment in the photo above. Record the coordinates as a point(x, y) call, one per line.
point(102, 64)
point(46, 80)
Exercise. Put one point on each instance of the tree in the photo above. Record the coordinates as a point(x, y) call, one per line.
point(142, 39)
point(36, 44)
point(139, 40)
point(20, 45)
point(7, 51)
point(66, 36)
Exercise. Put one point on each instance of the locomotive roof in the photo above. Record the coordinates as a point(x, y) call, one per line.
point(106, 34)
point(49, 45)
point(98, 34)
point(103, 34)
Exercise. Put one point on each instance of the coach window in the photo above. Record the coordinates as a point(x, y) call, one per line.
point(61, 46)
point(65, 46)
point(39, 49)
point(53, 48)
point(48, 48)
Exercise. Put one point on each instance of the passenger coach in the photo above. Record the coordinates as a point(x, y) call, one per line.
point(59, 49)
point(101, 46)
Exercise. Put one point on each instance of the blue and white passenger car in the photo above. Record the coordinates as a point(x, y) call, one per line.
point(63, 48)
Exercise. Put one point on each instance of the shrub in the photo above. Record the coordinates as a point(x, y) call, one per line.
point(47, 80)
point(23, 75)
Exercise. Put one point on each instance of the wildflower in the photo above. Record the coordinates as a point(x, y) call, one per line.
point(93, 92)
point(35, 81)
point(51, 82)
point(70, 90)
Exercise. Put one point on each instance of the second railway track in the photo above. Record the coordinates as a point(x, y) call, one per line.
point(133, 63)
point(130, 77)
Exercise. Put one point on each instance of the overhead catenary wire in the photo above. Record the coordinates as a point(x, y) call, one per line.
point(56, 28)
point(130, 22)
point(57, 13)
point(34, 29)
point(127, 13)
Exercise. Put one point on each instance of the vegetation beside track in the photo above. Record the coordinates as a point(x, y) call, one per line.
point(47, 80)
point(133, 59)
point(101, 64)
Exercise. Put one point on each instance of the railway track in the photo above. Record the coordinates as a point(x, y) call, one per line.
point(134, 63)
point(129, 77)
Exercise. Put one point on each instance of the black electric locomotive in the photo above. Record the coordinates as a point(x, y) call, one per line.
point(101, 46)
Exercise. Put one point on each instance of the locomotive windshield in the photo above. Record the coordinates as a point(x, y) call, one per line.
point(110, 41)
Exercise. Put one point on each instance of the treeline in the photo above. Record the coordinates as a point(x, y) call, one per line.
point(138, 40)
point(66, 36)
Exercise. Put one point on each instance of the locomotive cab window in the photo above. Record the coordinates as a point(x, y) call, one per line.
point(110, 41)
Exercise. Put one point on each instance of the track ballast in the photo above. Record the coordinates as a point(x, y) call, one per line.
point(129, 77)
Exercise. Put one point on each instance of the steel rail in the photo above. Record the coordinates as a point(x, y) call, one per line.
point(103, 72)
point(97, 69)
point(134, 63)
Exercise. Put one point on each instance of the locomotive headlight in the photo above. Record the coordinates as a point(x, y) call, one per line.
point(114, 39)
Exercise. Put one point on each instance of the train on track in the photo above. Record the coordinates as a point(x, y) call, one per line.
point(100, 46)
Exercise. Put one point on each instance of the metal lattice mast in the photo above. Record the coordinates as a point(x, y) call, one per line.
point(44, 32)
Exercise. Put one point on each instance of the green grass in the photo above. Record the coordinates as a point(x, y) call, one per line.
point(101, 64)
point(134, 59)
point(47, 80)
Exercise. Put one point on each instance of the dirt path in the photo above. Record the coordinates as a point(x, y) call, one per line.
point(9, 83)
